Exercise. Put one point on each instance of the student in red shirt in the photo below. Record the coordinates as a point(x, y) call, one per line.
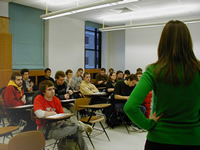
point(47, 104)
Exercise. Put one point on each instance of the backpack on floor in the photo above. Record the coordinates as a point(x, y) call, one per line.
point(112, 119)
point(68, 144)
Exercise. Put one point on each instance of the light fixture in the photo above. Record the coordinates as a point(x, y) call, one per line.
point(115, 28)
point(97, 5)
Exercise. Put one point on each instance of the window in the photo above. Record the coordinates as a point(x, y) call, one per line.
point(92, 48)
point(26, 28)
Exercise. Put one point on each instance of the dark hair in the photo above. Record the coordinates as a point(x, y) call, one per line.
point(68, 71)
point(86, 73)
point(80, 69)
point(111, 70)
point(139, 69)
point(127, 72)
point(59, 74)
point(23, 71)
point(175, 50)
point(14, 75)
point(132, 77)
point(103, 69)
point(44, 84)
point(47, 69)
point(109, 78)
point(119, 71)
point(139, 72)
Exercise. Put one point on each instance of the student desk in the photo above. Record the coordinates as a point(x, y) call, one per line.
point(4, 131)
point(23, 107)
point(96, 94)
point(67, 100)
point(101, 89)
point(22, 111)
point(55, 118)
point(7, 130)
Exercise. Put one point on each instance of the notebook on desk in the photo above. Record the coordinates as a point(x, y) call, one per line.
point(99, 93)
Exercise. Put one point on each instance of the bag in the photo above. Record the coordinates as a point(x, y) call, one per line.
point(68, 144)
point(112, 119)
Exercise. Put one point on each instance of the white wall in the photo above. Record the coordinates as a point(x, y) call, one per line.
point(65, 44)
point(195, 33)
point(113, 48)
point(4, 9)
point(141, 45)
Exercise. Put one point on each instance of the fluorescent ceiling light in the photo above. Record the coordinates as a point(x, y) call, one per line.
point(97, 5)
point(115, 28)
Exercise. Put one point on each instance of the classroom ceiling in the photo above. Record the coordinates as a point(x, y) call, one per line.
point(139, 12)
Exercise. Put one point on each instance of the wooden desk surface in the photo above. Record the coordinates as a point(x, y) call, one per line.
point(95, 106)
point(101, 88)
point(7, 130)
point(20, 107)
point(59, 116)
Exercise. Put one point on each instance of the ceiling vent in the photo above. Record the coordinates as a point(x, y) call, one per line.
point(122, 10)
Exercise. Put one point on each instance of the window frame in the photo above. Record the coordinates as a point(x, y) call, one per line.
point(97, 62)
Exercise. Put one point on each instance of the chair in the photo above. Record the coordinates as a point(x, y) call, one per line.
point(121, 115)
point(92, 118)
point(30, 140)
point(1, 112)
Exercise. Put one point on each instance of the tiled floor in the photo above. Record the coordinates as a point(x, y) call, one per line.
point(119, 140)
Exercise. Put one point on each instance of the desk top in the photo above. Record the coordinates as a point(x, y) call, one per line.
point(59, 116)
point(101, 88)
point(99, 94)
point(67, 100)
point(95, 106)
point(20, 107)
point(7, 130)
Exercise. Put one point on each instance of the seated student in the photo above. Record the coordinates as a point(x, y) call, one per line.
point(126, 73)
point(13, 95)
point(47, 75)
point(111, 83)
point(101, 78)
point(87, 89)
point(47, 104)
point(110, 70)
point(28, 85)
point(122, 92)
point(139, 75)
point(119, 75)
point(69, 75)
point(62, 90)
point(77, 79)
point(138, 70)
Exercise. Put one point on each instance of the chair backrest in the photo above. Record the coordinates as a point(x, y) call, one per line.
point(33, 116)
point(1, 111)
point(30, 140)
point(1, 103)
point(81, 101)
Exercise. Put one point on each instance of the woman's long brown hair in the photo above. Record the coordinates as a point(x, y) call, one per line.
point(175, 49)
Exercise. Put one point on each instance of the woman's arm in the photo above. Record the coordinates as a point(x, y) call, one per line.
point(132, 106)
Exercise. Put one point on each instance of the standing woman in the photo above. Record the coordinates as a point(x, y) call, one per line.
point(175, 81)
